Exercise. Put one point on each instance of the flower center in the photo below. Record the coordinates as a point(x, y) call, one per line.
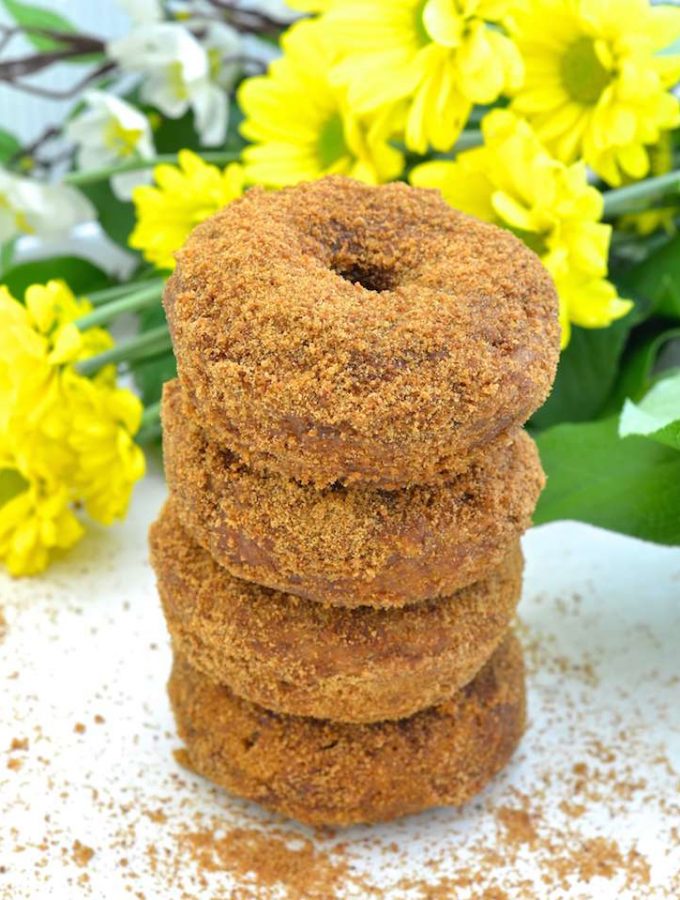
point(583, 75)
point(12, 483)
point(331, 145)
point(123, 141)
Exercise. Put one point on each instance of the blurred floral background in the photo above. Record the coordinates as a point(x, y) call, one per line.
point(556, 119)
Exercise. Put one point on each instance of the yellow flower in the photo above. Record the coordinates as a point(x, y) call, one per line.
point(434, 59)
point(651, 220)
point(594, 88)
point(35, 337)
point(302, 126)
point(103, 420)
point(65, 441)
point(35, 519)
point(513, 181)
point(185, 195)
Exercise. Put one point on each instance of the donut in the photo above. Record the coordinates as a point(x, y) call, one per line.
point(341, 332)
point(349, 546)
point(305, 659)
point(332, 773)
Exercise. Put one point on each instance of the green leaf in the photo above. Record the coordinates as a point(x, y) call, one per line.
point(586, 375)
point(656, 280)
point(29, 16)
point(172, 135)
point(657, 415)
point(630, 484)
point(635, 373)
point(151, 374)
point(81, 275)
point(116, 217)
point(9, 145)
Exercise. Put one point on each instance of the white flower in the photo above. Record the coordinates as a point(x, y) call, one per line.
point(110, 131)
point(143, 11)
point(46, 210)
point(177, 74)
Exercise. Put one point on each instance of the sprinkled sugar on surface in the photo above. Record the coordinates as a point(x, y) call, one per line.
point(94, 803)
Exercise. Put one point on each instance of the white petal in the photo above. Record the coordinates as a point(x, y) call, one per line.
point(143, 12)
point(211, 109)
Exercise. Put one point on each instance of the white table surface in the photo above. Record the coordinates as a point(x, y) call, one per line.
point(597, 771)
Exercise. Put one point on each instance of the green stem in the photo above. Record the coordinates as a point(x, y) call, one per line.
point(130, 303)
point(98, 298)
point(133, 165)
point(149, 343)
point(641, 195)
point(467, 140)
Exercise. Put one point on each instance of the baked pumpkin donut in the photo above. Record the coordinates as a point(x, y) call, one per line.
point(302, 658)
point(330, 773)
point(349, 546)
point(340, 332)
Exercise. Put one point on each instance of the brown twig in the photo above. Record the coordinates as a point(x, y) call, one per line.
point(249, 20)
point(65, 94)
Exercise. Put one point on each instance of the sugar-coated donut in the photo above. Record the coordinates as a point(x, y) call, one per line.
point(301, 658)
point(340, 332)
point(349, 546)
point(330, 773)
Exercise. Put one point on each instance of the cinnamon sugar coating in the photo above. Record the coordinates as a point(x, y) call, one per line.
point(305, 659)
point(338, 332)
point(330, 773)
point(349, 546)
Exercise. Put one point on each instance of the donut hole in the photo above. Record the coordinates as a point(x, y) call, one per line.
point(371, 277)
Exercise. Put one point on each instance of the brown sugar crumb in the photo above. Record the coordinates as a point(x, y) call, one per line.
point(14, 764)
point(156, 815)
point(18, 744)
point(518, 824)
point(79, 728)
point(599, 857)
point(303, 870)
point(81, 854)
point(99, 719)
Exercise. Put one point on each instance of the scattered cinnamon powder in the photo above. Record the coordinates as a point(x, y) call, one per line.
point(599, 857)
point(79, 728)
point(81, 854)
point(18, 744)
point(268, 860)
point(518, 825)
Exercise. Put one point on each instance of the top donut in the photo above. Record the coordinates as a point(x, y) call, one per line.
point(338, 332)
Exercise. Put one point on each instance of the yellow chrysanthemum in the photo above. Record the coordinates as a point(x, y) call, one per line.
point(434, 59)
point(104, 419)
point(184, 196)
point(594, 88)
point(302, 126)
point(65, 441)
point(37, 336)
point(661, 218)
point(513, 181)
point(35, 519)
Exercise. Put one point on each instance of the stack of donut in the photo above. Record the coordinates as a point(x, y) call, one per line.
point(339, 559)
